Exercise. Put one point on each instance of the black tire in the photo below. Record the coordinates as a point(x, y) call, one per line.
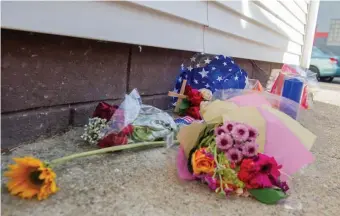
point(315, 70)
point(330, 79)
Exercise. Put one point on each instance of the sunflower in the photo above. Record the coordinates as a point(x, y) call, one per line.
point(31, 177)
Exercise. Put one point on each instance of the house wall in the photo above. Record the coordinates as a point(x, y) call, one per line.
point(262, 30)
point(50, 83)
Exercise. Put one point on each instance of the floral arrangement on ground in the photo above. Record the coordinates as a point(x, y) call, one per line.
point(226, 158)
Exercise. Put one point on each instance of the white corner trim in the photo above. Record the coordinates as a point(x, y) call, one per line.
point(310, 31)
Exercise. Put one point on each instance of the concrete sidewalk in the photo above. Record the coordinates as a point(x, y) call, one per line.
point(146, 183)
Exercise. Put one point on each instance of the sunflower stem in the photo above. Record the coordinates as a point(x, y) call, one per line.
point(109, 149)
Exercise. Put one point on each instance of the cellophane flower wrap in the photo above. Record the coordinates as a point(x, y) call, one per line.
point(130, 122)
point(227, 160)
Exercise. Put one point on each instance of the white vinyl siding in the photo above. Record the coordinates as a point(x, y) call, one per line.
point(267, 30)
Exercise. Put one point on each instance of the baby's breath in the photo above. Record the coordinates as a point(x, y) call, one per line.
point(92, 131)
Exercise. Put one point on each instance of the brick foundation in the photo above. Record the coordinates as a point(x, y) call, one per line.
point(49, 83)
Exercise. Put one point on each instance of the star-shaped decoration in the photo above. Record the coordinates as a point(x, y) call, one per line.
point(219, 78)
point(180, 79)
point(195, 81)
point(198, 65)
point(232, 61)
point(207, 85)
point(236, 77)
point(213, 68)
point(224, 63)
point(207, 61)
point(230, 69)
point(216, 57)
point(189, 68)
point(193, 59)
point(204, 73)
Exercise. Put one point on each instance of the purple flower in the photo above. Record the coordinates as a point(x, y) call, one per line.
point(224, 142)
point(240, 132)
point(253, 133)
point(284, 186)
point(212, 182)
point(208, 154)
point(220, 131)
point(234, 155)
point(229, 126)
point(249, 149)
point(239, 146)
point(228, 191)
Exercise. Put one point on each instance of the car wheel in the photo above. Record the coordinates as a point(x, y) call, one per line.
point(329, 79)
point(315, 70)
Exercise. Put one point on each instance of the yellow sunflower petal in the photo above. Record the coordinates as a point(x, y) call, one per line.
point(28, 161)
point(29, 193)
point(19, 188)
point(29, 177)
point(12, 184)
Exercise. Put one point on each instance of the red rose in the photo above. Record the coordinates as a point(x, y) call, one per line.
point(128, 130)
point(188, 90)
point(194, 112)
point(196, 100)
point(104, 111)
point(194, 96)
point(113, 139)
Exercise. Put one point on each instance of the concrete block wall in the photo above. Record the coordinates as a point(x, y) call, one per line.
point(50, 83)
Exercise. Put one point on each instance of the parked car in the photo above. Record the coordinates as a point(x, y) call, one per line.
point(325, 65)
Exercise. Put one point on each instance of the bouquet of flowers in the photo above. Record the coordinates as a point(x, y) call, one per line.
point(190, 106)
point(237, 150)
point(130, 122)
point(226, 158)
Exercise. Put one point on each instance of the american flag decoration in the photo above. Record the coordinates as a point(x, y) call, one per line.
point(186, 120)
point(212, 72)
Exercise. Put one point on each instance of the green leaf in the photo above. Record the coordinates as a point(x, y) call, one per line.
point(268, 195)
point(185, 104)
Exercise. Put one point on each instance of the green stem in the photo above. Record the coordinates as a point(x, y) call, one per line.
point(109, 149)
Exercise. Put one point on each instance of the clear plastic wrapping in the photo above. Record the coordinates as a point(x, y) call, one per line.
point(290, 107)
point(130, 122)
point(297, 84)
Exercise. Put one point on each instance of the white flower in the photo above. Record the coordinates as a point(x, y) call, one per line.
point(93, 130)
point(206, 94)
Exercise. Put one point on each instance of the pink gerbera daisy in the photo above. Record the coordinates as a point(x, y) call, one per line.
point(234, 155)
point(249, 149)
point(224, 142)
point(240, 132)
point(220, 131)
